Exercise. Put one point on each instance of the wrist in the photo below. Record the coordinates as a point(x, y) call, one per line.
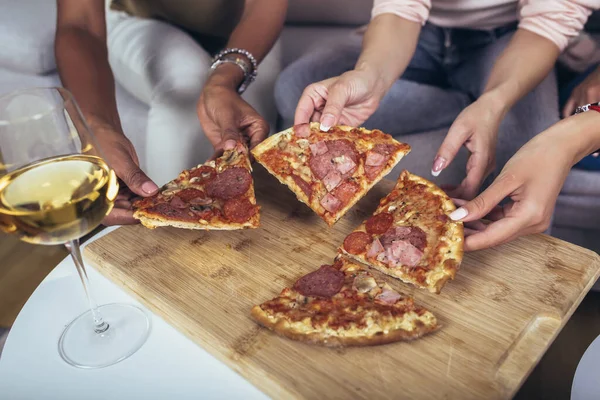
point(376, 78)
point(226, 75)
point(496, 102)
point(579, 135)
point(101, 126)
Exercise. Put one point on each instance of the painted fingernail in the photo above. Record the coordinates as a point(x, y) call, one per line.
point(438, 165)
point(149, 187)
point(326, 122)
point(458, 214)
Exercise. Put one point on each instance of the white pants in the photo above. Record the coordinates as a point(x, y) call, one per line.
point(166, 69)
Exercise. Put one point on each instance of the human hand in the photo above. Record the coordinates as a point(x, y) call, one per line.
point(532, 179)
point(120, 155)
point(586, 92)
point(476, 127)
point(227, 119)
point(348, 99)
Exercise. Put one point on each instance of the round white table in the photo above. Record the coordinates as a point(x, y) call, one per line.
point(168, 366)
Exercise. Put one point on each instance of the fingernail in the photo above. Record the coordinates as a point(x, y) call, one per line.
point(458, 214)
point(438, 165)
point(229, 144)
point(326, 122)
point(149, 187)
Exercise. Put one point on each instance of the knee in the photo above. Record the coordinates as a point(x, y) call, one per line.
point(180, 86)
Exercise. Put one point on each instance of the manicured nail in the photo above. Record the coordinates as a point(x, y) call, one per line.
point(326, 122)
point(458, 214)
point(149, 187)
point(438, 165)
point(229, 144)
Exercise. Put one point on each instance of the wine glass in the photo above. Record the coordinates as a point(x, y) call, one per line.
point(55, 188)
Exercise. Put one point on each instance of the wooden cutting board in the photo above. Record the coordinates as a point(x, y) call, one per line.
point(499, 315)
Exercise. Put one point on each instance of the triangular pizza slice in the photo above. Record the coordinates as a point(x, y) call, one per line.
point(329, 171)
point(216, 195)
point(410, 236)
point(344, 305)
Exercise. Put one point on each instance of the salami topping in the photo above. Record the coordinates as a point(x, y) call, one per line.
point(342, 147)
point(357, 242)
point(239, 210)
point(318, 148)
point(414, 235)
point(330, 203)
point(378, 224)
point(339, 149)
point(324, 282)
point(345, 191)
point(177, 202)
point(202, 174)
point(170, 212)
point(230, 183)
point(302, 130)
point(189, 194)
point(383, 148)
point(305, 186)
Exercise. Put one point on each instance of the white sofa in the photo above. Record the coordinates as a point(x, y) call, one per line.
point(27, 59)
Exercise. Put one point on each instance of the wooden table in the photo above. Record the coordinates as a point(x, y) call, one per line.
point(500, 314)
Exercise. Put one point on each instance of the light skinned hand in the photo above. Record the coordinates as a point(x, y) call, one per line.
point(476, 128)
point(348, 99)
point(227, 119)
point(532, 180)
point(120, 155)
point(586, 92)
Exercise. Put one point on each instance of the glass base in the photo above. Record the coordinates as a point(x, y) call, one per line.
point(82, 347)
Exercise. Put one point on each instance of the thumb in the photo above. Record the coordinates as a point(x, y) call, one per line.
point(336, 101)
point(229, 138)
point(133, 177)
point(481, 205)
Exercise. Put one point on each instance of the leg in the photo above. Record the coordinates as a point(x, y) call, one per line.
point(165, 68)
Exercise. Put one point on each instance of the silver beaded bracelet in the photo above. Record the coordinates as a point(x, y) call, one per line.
point(250, 69)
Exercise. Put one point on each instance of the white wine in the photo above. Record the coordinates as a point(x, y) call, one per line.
point(57, 200)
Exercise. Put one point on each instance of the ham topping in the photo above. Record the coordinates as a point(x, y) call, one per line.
point(375, 159)
point(332, 180)
point(388, 296)
point(330, 203)
point(344, 164)
point(374, 249)
point(401, 252)
point(318, 148)
point(302, 130)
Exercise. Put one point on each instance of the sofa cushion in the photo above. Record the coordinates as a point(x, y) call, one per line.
point(330, 12)
point(27, 35)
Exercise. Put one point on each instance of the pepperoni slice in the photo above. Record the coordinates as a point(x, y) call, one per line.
point(324, 282)
point(345, 191)
point(379, 224)
point(189, 194)
point(305, 186)
point(170, 212)
point(239, 210)
point(357, 242)
point(230, 183)
point(204, 174)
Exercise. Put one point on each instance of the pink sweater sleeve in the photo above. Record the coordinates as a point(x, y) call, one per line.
point(556, 20)
point(412, 10)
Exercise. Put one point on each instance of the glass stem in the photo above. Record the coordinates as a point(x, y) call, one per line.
point(99, 325)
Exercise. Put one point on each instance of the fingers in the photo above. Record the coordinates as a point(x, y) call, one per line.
point(569, 107)
point(120, 216)
point(336, 101)
point(258, 132)
point(313, 98)
point(477, 170)
point(133, 177)
point(229, 138)
point(481, 205)
point(457, 135)
point(496, 233)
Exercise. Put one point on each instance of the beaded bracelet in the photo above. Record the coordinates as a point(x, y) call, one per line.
point(587, 107)
point(250, 70)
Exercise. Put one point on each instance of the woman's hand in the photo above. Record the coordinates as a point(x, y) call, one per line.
point(586, 92)
point(532, 179)
point(348, 99)
point(476, 128)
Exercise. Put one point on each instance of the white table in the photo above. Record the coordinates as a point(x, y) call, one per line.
point(168, 366)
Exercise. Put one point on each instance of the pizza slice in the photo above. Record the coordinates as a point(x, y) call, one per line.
point(344, 305)
point(329, 171)
point(410, 236)
point(217, 195)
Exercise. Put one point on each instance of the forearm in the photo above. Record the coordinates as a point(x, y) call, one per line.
point(388, 46)
point(82, 62)
point(256, 32)
point(524, 63)
point(577, 136)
